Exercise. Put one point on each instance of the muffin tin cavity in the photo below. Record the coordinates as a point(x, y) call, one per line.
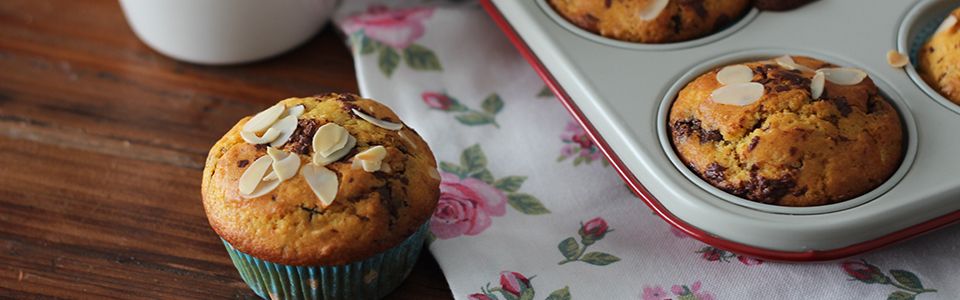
point(917, 27)
point(890, 93)
point(712, 37)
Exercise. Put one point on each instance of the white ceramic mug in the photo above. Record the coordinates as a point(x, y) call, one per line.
point(225, 31)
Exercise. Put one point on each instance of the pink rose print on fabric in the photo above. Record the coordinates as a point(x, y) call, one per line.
point(908, 283)
point(465, 206)
point(590, 232)
point(439, 101)
point(516, 286)
point(678, 292)
point(392, 35)
point(718, 255)
point(577, 144)
point(470, 197)
point(395, 28)
point(654, 293)
point(479, 296)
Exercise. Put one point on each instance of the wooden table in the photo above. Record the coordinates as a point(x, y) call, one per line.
point(102, 143)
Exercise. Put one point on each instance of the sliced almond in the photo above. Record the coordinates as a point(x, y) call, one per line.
point(269, 136)
point(816, 85)
point(843, 76)
point(738, 94)
point(897, 59)
point(295, 111)
point(285, 164)
point(322, 181)
point(370, 165)
point(325, 160)
point(373, 153)
point(653, 9)
point(947, 24)
point(329, 138)
point(788, 63)
point(264, 119)
point(380, 123)
point(286, 167)
point(251, 176)
point(262, 189)
point(370, 159)
point(407, 140)
point(734, 74)
point(434, 174)
point(287, 126)
point(275, 154)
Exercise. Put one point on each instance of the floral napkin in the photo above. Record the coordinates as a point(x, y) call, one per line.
point(530, 209)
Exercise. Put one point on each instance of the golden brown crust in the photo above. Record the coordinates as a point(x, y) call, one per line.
point(786, 148)
point(372, 212)
point(940, 61)
point(679, 21)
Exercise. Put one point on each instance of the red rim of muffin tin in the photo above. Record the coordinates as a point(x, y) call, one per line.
point(659, 209)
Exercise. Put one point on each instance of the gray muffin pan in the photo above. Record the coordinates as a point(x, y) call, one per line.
point(623, 92)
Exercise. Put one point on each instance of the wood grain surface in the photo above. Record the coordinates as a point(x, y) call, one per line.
point(102, 143)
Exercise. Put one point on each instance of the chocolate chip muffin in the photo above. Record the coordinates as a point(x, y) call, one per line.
point(940, 58)
point(320, 183)
point(787, 131)
point(651, 21)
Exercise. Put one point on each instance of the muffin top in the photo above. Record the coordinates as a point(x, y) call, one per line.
point(940, 58)
point(651, 21)
point(348, 187)
point(791, 131)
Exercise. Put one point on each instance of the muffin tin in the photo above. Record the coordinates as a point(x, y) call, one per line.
point(621, 93)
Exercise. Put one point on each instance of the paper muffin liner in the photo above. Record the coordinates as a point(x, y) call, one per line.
point(923, 35)
point(371, 278)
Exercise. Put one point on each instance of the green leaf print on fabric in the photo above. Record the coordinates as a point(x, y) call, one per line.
point(492, 104)
point(909, 284)
point(367, 46)
point(420, 58)
point(545, 92)
point(473, 159)
point(389, 59)
point(561, 294)
point(590, 232)
point(907, 279)
point(487, 115)
point(516, 286)
point(510, 183)
point(901, 295)
point(569, 248)
point(526, 204)
point(599, 258)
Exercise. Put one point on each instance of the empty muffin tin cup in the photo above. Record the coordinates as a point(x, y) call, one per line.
point(710, 38)
point(890, 93)
point(917, 27)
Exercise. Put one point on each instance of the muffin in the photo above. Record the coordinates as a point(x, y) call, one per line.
point(321, 197)
point(651, 21)
point(791, 131)
point(940, 58)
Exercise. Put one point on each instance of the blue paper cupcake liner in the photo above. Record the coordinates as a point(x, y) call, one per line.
point(371, 278)
point(923, 34)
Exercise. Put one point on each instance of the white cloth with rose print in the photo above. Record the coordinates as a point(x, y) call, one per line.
point(530, 210)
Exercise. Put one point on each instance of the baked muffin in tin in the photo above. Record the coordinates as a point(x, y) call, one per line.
point(939, 59)
point(790, 131)
point(651, 21)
